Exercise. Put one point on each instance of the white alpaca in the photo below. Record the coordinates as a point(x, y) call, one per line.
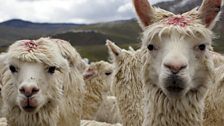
point(214, 105)
point(97, 78)
point(41, 85)
point(127, 85)
point(178, 70)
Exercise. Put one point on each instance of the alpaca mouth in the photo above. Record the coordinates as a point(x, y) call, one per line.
point(29, 108)
point(174, 89)
point(29, 105)
point(174, 84)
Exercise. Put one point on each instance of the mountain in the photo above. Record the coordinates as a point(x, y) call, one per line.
point(13, 30)
point(90, 39)
point(126, 31)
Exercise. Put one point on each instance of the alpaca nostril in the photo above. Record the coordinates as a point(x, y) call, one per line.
point(22, 90)
point(175, 68)
point(29, 91)
point(35, 90)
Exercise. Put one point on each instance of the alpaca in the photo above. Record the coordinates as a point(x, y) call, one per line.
point(41, 86)
point(127, 85)
point(97, 79)
point(95, 123)
point(178, 69)
point(214, 105)
point(108, 111)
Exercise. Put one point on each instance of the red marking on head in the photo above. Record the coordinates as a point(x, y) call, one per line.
point(30, 45)
point(179, 20)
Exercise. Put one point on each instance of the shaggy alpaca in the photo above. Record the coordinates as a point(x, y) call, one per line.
point(95, 123)
point(214, 105)
point(97, 78)
point(108, 111)
point(179, 69)
point(41, 85)
point(127, 85)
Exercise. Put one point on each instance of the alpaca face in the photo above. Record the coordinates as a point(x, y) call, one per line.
point(178, 60)
point(34, 76)
point(179, 63)
point(101, 70)
point(33, 83)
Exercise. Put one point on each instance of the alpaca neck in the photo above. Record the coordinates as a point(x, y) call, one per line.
point(163, 111)
point(93, 98)
point(73, 98)
point(128, 90)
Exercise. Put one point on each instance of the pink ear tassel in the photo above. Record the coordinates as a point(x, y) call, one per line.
point(30, 45)
point(178, 20)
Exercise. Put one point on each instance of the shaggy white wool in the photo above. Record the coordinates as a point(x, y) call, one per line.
point(108, 111)
point(70, 113)
point(218, 59)
point(214, 103)
point(95, 123)
point(3, 122)
point(97, 78)
point(71, 54)
point(127, 85)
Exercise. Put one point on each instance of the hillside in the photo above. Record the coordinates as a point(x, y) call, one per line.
point(13, 30)
point(90, 39)
point(122, 32)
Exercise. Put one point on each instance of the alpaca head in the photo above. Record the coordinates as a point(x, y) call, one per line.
point(99, 70)
point(118, 55)
point(178, 55)
point(35, 74)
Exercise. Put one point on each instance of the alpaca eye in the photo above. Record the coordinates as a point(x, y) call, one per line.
point(12, 69)
point(202, 47)
point(150, 47)
point(51, 70)
point(108, 73)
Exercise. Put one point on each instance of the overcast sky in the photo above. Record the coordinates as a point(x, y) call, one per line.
point(74, 11)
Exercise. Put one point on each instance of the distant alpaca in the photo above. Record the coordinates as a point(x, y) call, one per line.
point(97, 77)
point(127, 84)
point(178, 69)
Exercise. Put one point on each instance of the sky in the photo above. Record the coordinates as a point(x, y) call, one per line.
point(67, 11)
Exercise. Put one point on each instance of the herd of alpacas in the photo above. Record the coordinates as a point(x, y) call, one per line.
point(174, 79)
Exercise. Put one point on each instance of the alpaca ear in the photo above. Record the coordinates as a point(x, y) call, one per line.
point(209, 12)
point(113, 49)
point(144, 11)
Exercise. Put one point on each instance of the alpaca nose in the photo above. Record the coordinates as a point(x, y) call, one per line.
point(29, 91)
point(175, 67)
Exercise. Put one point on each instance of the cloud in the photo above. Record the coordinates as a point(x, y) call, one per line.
point(77, 11)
